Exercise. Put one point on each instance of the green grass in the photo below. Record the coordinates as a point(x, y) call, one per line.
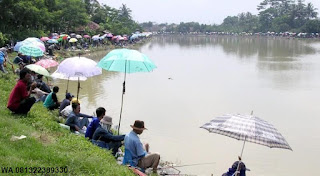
point(47, 144)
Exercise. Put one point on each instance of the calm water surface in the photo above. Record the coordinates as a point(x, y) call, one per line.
point(277, 79)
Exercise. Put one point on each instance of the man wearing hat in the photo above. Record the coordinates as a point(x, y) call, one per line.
point(104, 137)
point(140, 156)
point(65, 102)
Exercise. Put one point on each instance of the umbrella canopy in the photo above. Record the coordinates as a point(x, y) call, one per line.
point(47, 63)
point(44, 38)
point(29, 42)
point(52, 41)
point(109, 35)
point(57, 75)
point(38, 69)
point(32, 39)
point(86, 36)
point(79, 66)
point(72, 40)
point(31, 50)
point(126, 60)
point(78, 36)
point(247, 128)
point(96, 37)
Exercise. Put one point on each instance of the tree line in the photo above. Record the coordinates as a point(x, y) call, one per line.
point(274, 15)
point(25, 18)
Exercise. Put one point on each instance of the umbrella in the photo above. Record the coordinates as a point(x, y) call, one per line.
point(57, 75)
point(28, 42)
point(72, 40)
point(44, 38)
point(78, 36)
point(79, 67)
point(109, 35)
point(47, 63)
point(31, 50)
point(52, 41)
point(247, 128)
point(32, 39)
point(126, 61)
point(96, 37)
point(38, 69)
point(86, 36)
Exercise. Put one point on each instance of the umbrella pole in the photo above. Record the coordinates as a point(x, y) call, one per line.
point(67, 86)
point(78, 89)
point(244, 142)
point(123, 92)
point(237, 173)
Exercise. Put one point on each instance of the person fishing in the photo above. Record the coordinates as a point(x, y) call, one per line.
point(238, 168)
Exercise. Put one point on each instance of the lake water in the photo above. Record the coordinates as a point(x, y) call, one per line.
point(277, 79)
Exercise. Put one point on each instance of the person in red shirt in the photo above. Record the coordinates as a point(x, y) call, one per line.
point(20, 101)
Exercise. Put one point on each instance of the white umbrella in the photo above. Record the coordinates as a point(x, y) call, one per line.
point(79, 67)
point(57, 75)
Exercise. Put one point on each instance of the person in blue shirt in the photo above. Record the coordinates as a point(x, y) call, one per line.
point(100, 112)
point(103, 136)
point(139, 156)
point(2, 60)
point(238, 168)
point(75, 121)
point(65, 102)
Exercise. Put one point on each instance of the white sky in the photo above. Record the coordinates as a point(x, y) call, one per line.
point(176, 11)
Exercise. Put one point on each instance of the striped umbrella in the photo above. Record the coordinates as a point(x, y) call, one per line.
point(31, 50)
point(247, 128)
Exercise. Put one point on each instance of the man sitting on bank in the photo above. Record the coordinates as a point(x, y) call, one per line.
point(20, 101)
point(103, 136)
point(74, 121)
point(100, 112)
point(140, 157)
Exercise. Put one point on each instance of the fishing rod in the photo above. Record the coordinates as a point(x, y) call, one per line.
point(196, 164)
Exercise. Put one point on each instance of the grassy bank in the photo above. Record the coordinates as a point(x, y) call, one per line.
point(47, 144)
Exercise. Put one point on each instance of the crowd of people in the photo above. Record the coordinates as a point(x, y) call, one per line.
point(30, 89)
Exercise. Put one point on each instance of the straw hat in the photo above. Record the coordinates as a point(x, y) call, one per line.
point(138, 125)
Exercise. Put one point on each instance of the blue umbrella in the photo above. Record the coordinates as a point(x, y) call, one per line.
point(52, 41)
point(126, 61)
point(17, 46)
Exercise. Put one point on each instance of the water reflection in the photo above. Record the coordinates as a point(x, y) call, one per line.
point(276, 49)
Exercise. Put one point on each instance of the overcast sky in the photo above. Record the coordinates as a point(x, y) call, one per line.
point(176, 11)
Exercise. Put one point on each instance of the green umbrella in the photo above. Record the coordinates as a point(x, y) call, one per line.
point(31, 50)
point(126, 61)
point(38, 69)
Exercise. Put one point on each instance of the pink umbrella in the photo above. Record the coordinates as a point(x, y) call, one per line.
point(47, 63)
point(109, 35)
point(86, 36)
point(44, 38)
